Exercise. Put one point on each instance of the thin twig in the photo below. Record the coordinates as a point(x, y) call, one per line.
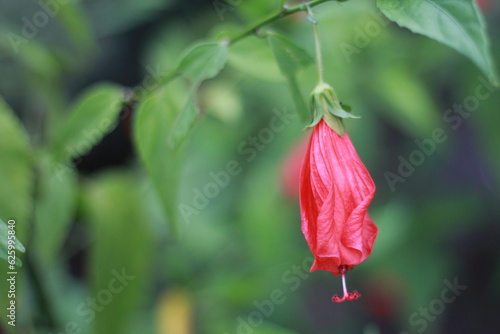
point(284, 12)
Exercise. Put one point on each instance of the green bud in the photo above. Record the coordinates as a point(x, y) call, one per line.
point(325, 104)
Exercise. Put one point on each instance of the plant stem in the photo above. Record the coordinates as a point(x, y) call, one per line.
point(250, 31)
point(319, 57)
point(285, 12)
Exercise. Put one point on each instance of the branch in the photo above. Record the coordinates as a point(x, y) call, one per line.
point(284, 12)
point(134, 97)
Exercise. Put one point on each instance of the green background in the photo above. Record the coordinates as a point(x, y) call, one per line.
point(98, 189)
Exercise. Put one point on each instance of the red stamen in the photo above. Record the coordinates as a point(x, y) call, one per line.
point(347, 295)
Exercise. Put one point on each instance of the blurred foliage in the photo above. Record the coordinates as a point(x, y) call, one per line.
point(147, 185)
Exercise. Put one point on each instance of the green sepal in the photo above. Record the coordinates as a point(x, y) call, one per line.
point(326, 105)
point(335, 123)
point(317, 114)
point(336, 109)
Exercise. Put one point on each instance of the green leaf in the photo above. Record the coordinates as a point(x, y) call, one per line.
point(121, 252)
point(4, 244)
point(92, 117)
point(456, 23)
point(253, 56)
point(54, 209)
point(15, 171)
point(203, 61)
point(73, 19)
point(152, 123)
point(290, 58)
point(185, 121)
point(302, 110)
point(39, 59)
point(16, 178)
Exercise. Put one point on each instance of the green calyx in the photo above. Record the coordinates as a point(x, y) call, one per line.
point(325, 104)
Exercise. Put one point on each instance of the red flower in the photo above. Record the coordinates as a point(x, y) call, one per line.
point(336, 190)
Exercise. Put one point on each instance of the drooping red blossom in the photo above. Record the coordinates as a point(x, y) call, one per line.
point(336, 190)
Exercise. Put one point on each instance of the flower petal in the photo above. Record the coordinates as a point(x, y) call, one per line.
point(336, 190)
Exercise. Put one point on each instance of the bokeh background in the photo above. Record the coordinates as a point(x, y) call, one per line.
point(240, 263)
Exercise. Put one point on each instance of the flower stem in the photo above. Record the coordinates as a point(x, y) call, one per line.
point(319, 57)
point(284, 12)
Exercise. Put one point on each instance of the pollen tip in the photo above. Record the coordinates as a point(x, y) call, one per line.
point(337, 299)
point(354, 295)
point(350, 296)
